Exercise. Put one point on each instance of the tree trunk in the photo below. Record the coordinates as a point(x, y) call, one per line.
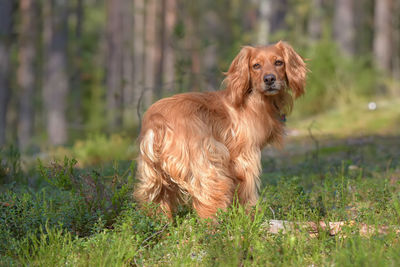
point(169, 48)
point(396, 42)
point(26, 71)
point(150, 51)
point(383, 34)
point(77, 113)
point(79, 13)
point(6, 15)
point(265, 20)
point(127, 64)
point(193, 45)
point(138, 54)
point(114, 62)
point(213, 28)
point(279, 10)
point(363, 18)
point(344, 26)
point(316, 20)
point(55, 82)
point(160, 53)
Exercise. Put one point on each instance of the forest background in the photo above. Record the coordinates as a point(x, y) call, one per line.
point(75, 69)
point(76, 76)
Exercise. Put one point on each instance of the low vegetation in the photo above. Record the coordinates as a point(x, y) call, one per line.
point(60, 213)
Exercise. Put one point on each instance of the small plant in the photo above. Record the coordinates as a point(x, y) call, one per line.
point(10, 165)
point(100, 195)
point(61, 176)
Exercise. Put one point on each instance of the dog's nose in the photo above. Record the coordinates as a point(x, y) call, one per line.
point(269, 79)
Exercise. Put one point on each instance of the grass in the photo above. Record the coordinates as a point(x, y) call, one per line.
point(353, 120)
point(40, 229)
point(68, 213)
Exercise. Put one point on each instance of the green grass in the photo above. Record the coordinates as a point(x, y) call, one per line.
point(81, 213)
point(237, 239)
point(60, 223)
point(353, 120)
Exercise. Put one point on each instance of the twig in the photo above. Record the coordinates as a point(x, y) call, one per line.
point(334, 228)
point(273, 212)
point(138, 108)
point(153, 235)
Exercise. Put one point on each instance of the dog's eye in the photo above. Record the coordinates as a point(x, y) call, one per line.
point(256, 66)
point(278, 63)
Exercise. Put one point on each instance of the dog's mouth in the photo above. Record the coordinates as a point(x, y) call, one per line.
point(271, 89)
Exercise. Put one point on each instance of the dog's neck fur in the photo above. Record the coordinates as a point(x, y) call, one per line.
point(263, 110)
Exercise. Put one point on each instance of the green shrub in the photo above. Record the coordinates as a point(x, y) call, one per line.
point(10, 165)
point(25, 212)
point(99, 148)
point(101, 196)
point(335, 79)
point(80, 202)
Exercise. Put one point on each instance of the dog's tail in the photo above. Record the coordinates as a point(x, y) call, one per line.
point(152, 183)
point(148, 174)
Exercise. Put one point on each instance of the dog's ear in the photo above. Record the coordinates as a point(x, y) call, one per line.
point(296, 69)
point(238, 76)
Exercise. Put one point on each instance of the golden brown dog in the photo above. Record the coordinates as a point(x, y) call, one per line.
point(207, 146)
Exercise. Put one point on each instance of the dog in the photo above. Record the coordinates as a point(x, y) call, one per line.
point(205, 147)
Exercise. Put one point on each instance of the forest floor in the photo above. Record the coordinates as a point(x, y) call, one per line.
point(341, 166)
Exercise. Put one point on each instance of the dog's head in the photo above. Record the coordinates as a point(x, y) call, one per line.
point(268, 70)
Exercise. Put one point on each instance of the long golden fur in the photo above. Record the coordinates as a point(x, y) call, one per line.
point(207, 146)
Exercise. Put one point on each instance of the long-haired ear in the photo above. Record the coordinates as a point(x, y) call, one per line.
point(238, 76)
point(296, 69)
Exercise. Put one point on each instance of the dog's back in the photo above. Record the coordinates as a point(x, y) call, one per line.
point(182, 152)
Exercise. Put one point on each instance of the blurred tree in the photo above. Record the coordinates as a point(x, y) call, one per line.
point(75, 45)
point(127, 64)
point(315, 22)
point(6, 19)
point(212, 31)
point(396, 41)
point(160, 52)
point(164, 76)
point(296, 24)
point(266, 12)
point(114, 62)
point(88, 65)
point(79, 13)
point(55, 81)
point(364, 26)
point(150, 25)
point(138, 52)
point(344, 25)
point(194, 44)
point(169, 45)
point(26, 70)
point(278, 17)
point(121, 51)
point(382, 46)
point(250, 20)
point(271, 19)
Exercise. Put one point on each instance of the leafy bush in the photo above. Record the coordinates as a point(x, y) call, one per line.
point(102, 195)
point(81, 203)
point(25, 212)
point(335, 79)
